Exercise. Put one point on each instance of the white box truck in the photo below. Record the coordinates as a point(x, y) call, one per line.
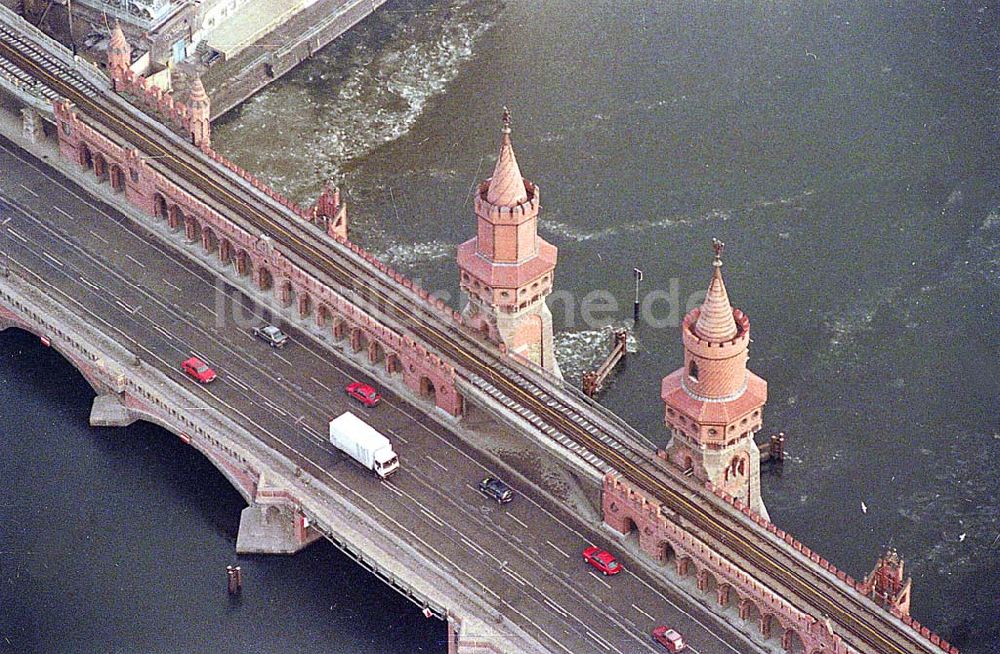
point(351, 434)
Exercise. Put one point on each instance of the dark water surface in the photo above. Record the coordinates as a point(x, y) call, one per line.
point(846, 152)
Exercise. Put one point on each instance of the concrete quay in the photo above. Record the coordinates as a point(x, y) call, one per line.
point(232, 81)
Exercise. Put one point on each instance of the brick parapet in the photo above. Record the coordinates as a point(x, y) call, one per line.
point(143, 187)
point(178, 114)
point(648, 510)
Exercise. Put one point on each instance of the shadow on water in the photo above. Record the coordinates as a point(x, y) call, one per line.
point(117, 540)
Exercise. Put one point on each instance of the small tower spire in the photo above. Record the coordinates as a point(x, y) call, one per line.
point(716, 323)
point(506, 186)
point(201, 110)
point(119, 53)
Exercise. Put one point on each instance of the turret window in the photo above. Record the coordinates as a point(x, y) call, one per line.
point(693, 371)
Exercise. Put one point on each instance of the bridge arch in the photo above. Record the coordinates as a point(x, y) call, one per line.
point(192, 228)
point(376, 352)
point(323, 314)
point(792, 642)
point(665, 552)
point(427, 389)
point(243, 263)
point(225, 252)
point(117, 177)
point(393, 364)
point(209, 240)
point(86, 156)
point(305, 304)
point(286, 292)
point(265, 280)
point(100, 166)
point(175, 217)
point(160, 209)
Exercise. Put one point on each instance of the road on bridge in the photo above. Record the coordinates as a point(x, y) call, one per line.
point(525, 557)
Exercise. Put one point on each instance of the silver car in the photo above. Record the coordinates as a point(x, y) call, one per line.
point(271, 335)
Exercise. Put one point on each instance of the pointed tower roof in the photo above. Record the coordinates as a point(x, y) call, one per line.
point(198, 91)
point(506, 186)
point(118, 40)
point(715, 322)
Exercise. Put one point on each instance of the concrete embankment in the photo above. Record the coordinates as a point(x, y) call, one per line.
point(231, 82)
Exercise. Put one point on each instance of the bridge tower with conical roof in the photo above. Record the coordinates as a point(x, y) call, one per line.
point(714, 404)
point(507, 269)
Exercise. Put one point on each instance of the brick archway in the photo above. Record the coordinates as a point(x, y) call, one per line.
point(160, 209)
point(100, 167)
point(225, 252)
point(117, 177)
point(192, 229)
point(175, 217)
point(209, 241)
point(323, 315)
point(265, 280)
point(243, 263)
point(666, 553)
point(304, 304)
point(86, 157)
point(427, 389)
point(792, 642)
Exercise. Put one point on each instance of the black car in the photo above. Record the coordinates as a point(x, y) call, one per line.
point(496, 489)
point(271, 335)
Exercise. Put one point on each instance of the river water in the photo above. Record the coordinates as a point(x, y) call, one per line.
point(847, 153)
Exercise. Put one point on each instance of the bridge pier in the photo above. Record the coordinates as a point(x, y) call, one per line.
point(34, 129)
point(110, 411)
point(273, 523)
point(270, 529)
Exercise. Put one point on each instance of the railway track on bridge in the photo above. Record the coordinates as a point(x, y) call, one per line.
point(602, 435)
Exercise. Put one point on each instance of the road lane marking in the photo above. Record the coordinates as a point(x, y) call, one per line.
point(87, 282)
point(431, 459)
point(594, 575)
point(52, 258)
point(284, 359)
point(643, 612)
point(600, 641)
point(27, 189)
point(514, 518)
point(13, 232)
point(97, 236)
point(513, 575)
point(553, 546)
point(390, 487)
point(135, 261)
point(473, 546)
point(206, 308)
point(168, 283)
point(163, 331)
point(433, 518)
point(63, 212)
point(555, 607)
point(312, 431)
point(127, 307)
point(319, 383)
point(394, 433)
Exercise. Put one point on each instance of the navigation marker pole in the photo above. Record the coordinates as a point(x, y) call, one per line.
point(635, 306)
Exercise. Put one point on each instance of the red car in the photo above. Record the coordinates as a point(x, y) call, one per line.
point(199, 370)
point(363, 393)
point(669, 639)
point(602, 560)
